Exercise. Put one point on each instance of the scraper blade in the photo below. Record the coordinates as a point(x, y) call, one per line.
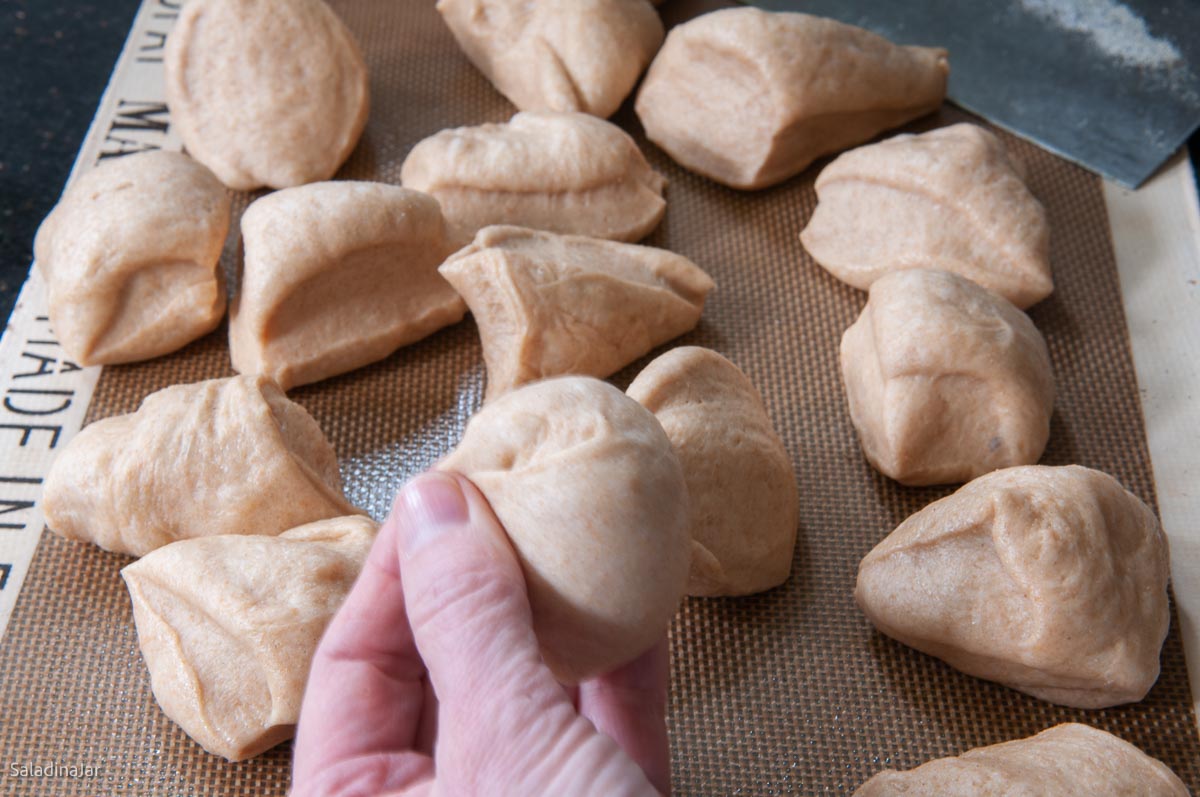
point(1113, 86)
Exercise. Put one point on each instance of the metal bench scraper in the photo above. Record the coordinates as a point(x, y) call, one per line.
point(1113, 86)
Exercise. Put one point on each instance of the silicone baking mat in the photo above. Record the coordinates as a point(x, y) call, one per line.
point(789, 692)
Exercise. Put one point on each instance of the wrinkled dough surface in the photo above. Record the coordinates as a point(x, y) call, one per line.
point(548, 304)
point(744, 501)
point(266, 92)
point(1071, 760)
point(951, 199)
point(945, 381)
point(336, 276)
point(228, 626)
point(586, 485)
point(1049, 580)
point(225, 456)
point(557, 55)
point(130, 256)
point(562, 172)
point(749, 98)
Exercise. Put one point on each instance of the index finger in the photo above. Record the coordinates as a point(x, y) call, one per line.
point(366, 687)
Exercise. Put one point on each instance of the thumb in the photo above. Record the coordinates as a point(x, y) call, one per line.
point(465, 596)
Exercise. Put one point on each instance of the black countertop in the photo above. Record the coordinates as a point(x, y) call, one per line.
point(56, 58)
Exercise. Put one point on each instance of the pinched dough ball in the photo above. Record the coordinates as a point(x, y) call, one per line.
point(750, 98)
point(1069, 760)
point(551, 304)
point(228, 626)
point(945, 380)
point(558, 55)
point(129, 255)
point(266, 92)
point(951, 199)
point(744, 503)
point(226, 456)
point(584, 481)
point(1052, 581)
point(336, 276)
point(562, 172)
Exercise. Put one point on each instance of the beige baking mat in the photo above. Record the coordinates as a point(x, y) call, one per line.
point(790, 692)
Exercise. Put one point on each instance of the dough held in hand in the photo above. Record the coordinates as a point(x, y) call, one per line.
point(226, 456)
point(945, 380)
point(951, 199)
point(551, 304)
point(265, 92)
point(558, 55)
point(562, 172)
point(336, 276)
point(749, 98)
point(584, 481)
point(228, 626)
point(744, 502)
point(1049, 580)
point(1067, 760)
point(130, 254)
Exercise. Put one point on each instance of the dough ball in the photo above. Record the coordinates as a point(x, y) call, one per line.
point(228, 626)
point(584, 481)
point(562, 172)
point(336, 276)
point(130, 256)
point(945, 380)
point(1068, 759)
point(226, 456)
point(1049, 580)
point(551, 304)
point(265, 92)
point(749, 98)
point(951, 199)
point(558, 55)
point(744, 503)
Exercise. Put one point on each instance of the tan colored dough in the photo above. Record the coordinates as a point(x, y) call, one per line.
point(945, 380)
point(228, 626)
point(130, 256)
point(749, 98)
point(584, 481)
point(336, 276)
point(558, 55)
point(744, 503)
point(563, 172)
point(951, 199)
point(1049, 580)
point(226, 456)
point(265, 92)
point(1069, 760)
point(551, 304)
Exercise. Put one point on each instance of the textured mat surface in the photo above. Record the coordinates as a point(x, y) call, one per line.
point(790, 692)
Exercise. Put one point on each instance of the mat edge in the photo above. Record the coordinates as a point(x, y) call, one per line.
point(135, 85)
point(1156, 232)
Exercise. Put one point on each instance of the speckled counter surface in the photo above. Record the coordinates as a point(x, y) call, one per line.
point(55, 59)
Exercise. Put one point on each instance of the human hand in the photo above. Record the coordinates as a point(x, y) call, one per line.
point(428, 680)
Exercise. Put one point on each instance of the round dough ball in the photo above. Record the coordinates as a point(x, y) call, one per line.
point(266, 92)
point(584, 481)
point(945, 380)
